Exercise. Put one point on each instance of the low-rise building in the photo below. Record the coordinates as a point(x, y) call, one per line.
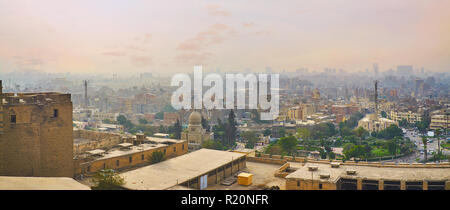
point(337, 176)
point(196, 170)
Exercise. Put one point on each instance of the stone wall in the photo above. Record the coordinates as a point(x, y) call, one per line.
point(39, 142)
point(97, 140)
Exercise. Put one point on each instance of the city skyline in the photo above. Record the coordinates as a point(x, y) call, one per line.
point(163, 38)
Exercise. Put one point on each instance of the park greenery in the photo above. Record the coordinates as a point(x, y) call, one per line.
point(356, 141)
point(224, 134)
point(107, 179)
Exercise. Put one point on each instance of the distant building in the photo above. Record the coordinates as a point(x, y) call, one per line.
point(409, 116)
point(372, 122)
point(195, 133)
point(440, 121)
point(170, 117)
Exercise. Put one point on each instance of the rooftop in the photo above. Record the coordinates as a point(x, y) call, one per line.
point(40, 183)
point(370, 173)
point(177, 170)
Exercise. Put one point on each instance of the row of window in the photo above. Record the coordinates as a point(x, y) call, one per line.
point(298, 184)
point(13, 117)
point(130, 159)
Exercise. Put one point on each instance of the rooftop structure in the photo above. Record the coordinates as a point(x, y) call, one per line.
point(335, 177)
point(169, 173)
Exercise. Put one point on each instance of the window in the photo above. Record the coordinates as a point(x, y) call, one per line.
point(13, 118)
point(298, 183)
point(117, 162)
point(164, 151)
point(104, 165)
point(174, 149)
point(182, 147)
point(130, 159)
point(320, 186)
point(55, 113)
point(89, 169)
point(142, 157)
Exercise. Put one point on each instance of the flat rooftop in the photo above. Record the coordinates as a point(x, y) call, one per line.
point(116, 152)
point(177, 170)
point(370, 173)
point(40, 183)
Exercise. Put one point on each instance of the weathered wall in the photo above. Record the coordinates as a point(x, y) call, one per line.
point(124, 160)
point(98, 140)
point(38, 143)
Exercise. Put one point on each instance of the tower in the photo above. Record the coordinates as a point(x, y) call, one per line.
point(37, 137)
point(86, 102)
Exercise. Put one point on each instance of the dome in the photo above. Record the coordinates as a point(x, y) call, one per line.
point(195, 118)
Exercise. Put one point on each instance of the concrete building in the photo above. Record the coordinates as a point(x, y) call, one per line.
point(195, 170)
point(36, 134)
point(295, 113)
point(338, 176)
point(111, 151)
point(372, 122)
point(409, 116)
point(439, 121)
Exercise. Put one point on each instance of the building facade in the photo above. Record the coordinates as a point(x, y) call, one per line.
point(409, 116)
point(36, 134)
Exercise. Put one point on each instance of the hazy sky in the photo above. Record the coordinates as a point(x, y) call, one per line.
point(117, 36)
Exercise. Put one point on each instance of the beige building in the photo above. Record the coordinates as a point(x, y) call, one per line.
point(36, 134)
point(295, 113)
point(339, 176)
point(372, 122)
point(195, 170)
point(195, 134)
point(409, 116)
point(439, 121)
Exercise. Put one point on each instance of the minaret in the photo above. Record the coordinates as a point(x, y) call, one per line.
point(86, 103)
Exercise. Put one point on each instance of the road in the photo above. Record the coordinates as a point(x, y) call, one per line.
point(418, 141)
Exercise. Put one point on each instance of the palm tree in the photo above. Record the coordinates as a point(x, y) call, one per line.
point(424, 141)
point(437, 133)
point(360, 131)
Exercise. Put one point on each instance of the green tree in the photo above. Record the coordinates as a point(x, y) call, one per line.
point(422, 127)
point(205, 124)
point(177, 130)
point(288, 144)
point(156, 157)
point(143, 121)
point(303, 133)
point(424, 141)
point(437, 134)
point(231, 129)
point(383, 114)
point(267, 132)
point(107, 179)
point(250, 139)
point(121, 119)
point(360, 132)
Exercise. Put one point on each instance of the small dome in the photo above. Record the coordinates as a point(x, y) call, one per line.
point(195, 118)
